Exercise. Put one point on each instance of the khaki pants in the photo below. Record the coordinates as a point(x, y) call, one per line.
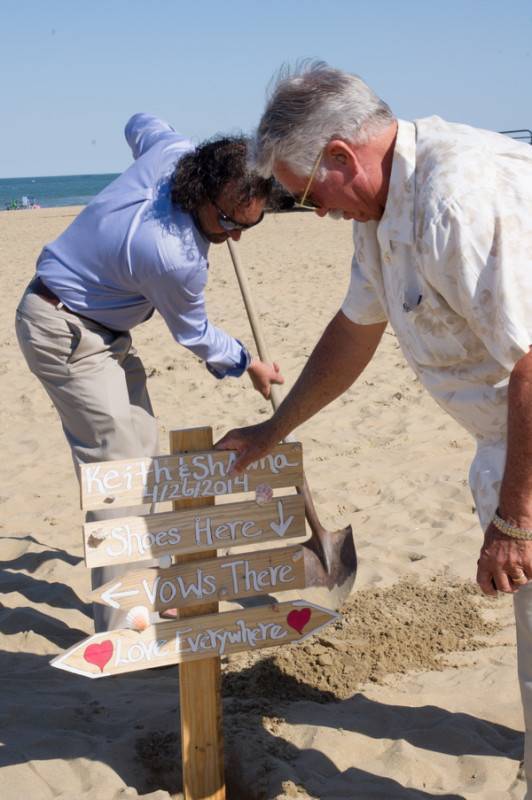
point(97, 383)
point(523, 618)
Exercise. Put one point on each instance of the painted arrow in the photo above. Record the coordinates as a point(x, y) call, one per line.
point(282, 526)
point(116, 652)
point(111, 594)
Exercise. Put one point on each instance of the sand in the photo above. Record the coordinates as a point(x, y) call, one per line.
point(413, 695)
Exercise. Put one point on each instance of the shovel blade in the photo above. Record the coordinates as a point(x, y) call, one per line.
point(330, 567)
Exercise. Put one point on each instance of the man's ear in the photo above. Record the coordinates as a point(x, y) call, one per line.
point(341, 155)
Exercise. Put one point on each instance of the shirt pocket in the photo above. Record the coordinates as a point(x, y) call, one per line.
point(434, 335)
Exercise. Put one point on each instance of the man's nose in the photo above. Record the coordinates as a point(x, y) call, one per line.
point(235, 235)
point(321, 212)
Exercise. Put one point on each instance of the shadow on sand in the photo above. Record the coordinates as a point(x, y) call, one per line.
point(130, 723)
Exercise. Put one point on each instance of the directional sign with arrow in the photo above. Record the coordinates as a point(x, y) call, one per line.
point(130, 539)
point(115, 652)
point(196, 582)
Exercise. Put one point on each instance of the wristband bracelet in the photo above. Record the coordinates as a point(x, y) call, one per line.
point(510, 530)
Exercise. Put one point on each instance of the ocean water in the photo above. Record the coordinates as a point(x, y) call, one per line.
point(56, 190)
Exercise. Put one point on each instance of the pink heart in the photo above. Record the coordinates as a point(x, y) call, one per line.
point(99, 654)
point(298, 619)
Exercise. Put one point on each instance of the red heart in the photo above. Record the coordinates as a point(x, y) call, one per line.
point(298, 619)
point(99, 654)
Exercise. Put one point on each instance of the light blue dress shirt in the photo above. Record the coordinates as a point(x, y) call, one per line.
point(131, 250)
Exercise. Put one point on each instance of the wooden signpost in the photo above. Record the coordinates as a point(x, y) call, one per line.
point(191, 477)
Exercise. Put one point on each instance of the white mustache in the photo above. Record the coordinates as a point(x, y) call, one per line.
point(335, 213)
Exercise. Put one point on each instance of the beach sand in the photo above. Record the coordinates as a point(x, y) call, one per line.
point(415, 696)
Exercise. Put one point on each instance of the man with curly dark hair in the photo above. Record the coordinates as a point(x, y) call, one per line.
point(216, 166)
point(140, 245)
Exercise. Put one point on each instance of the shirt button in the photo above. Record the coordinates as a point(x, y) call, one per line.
point(387, 257)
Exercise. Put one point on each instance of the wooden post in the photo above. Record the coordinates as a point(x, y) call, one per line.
point(199, 682)
point(192, 476)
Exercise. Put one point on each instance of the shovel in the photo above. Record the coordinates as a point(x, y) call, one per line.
point(330, 556)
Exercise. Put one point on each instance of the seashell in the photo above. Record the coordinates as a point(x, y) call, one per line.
point(138, 618)
point(263, 494)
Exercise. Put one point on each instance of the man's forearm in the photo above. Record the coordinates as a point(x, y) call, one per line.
point(338, 359)
point(515, 502)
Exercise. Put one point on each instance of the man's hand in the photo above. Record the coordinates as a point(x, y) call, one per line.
point(251, 443)
point(505, 564)
point(263, 375)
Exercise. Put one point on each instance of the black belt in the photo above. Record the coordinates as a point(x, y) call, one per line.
point(41, 289)
point(38, 287)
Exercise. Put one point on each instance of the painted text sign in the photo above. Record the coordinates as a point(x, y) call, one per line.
point(192, 583)
point(184, 476)
point(130, 539)
point(115, 652)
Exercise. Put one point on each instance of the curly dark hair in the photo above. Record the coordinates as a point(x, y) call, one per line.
point(202, 175)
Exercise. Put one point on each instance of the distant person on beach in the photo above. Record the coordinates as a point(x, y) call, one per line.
point(443, 253)
point(141, 244)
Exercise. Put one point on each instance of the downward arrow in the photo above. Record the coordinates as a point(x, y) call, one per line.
point(281, 527)
point(109, 595)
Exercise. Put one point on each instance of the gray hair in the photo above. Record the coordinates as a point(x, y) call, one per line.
point(308, 107)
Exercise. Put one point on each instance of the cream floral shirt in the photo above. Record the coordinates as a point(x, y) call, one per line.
point(449, 265)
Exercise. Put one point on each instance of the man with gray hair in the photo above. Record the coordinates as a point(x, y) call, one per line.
point(443, 253)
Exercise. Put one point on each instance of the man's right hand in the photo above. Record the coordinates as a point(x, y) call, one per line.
point(505, 564)
point(263, 375)
point(251, 443)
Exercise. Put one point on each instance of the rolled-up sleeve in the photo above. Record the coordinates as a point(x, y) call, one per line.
point(179, 297)
point(361, 303)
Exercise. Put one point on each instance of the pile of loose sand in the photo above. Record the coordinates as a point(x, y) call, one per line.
point(409, 626)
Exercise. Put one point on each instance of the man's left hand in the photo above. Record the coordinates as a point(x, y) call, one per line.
point(505, 564)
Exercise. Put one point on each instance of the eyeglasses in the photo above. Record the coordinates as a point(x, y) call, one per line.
point(310, 204)
point(229, 224)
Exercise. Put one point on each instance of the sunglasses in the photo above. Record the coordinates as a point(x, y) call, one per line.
point(304, 203)
point(229, 224)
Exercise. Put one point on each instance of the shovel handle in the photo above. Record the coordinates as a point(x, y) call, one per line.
point(276, 396)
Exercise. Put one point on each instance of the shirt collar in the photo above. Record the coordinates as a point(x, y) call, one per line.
point(397, 223)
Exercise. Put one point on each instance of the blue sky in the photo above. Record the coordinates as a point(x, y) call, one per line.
point(74, 71)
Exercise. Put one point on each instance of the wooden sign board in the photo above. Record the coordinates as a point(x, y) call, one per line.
point(130, 539)
point(116, 652)
point(185, 476)
point(195, 582)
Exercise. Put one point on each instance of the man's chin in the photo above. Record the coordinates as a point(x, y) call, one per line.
point(217, 238)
